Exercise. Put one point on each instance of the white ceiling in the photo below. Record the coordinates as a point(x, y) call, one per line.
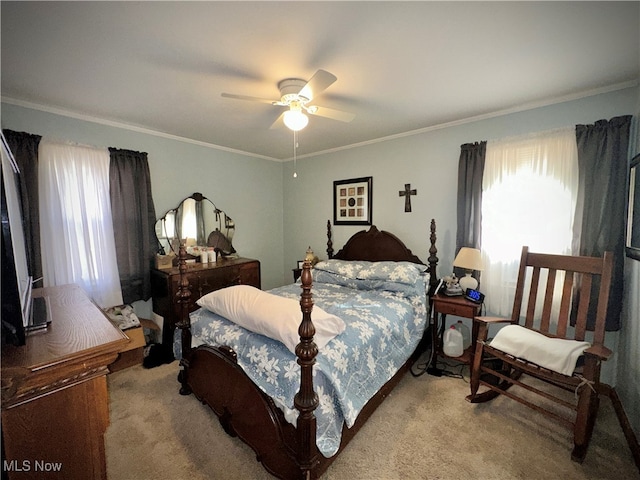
point(401, 66)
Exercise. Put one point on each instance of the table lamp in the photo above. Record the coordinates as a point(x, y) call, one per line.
point(468, 259)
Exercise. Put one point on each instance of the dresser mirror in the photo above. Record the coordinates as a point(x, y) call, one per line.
point(200, 223)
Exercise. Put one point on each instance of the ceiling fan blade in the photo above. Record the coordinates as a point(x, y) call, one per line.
point(279, 123)
point(318, 83)
point(251, 99)
point(332, 114)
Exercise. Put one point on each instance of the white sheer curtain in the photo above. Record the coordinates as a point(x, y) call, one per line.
point(75, 220)
point(529, 193)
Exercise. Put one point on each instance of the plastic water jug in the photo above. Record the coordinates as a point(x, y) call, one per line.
point(452, 342)
point(466, 335)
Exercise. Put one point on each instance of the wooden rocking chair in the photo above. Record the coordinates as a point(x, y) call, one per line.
point(500, 369)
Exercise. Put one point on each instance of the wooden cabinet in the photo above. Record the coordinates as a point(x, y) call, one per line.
point(55, 406)
point(203, 278)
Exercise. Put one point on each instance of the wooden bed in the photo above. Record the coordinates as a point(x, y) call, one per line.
point(214, 377)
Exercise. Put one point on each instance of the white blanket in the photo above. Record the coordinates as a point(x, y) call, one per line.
point(556, 354)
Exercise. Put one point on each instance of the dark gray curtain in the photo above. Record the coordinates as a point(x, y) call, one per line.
point(602, 158)
point(134, 218)
point(24, 147)
point(469, 209)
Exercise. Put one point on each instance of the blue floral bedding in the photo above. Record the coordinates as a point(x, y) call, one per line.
point(384, 307)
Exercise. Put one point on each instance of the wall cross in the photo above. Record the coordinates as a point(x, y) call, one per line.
point(406, 193)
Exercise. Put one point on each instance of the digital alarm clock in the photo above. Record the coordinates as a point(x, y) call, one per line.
point(474, 295)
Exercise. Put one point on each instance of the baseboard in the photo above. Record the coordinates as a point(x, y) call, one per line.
point(629, 434)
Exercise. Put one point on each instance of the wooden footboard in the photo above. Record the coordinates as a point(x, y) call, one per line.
point(244, 410)
point(214, 377)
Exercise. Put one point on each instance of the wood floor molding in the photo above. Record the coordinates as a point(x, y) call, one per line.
point(629, 434)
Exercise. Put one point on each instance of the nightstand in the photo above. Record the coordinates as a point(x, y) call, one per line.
point(460, 307)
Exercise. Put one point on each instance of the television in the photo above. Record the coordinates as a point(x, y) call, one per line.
point(16, 279)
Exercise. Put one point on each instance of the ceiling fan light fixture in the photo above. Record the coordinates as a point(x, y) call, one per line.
point(296, 95)
point(295, 120)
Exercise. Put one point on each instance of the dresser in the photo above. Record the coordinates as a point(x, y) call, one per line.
point(203, 278)
point(55, 405)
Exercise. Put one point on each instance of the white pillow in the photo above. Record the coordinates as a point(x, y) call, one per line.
point(270, 315)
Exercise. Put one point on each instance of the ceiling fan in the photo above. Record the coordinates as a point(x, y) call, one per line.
point(297, 94)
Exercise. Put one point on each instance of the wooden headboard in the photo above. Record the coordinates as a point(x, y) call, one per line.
point(377, 245)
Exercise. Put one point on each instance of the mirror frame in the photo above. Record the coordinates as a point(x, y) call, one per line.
point(198, 197)
point(632, 245)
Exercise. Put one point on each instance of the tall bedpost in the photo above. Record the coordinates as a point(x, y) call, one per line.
point(433, 259)
point(329, 241)
point(306, 400)
point(184, 324)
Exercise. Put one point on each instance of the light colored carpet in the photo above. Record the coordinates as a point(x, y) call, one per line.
point(424, 430)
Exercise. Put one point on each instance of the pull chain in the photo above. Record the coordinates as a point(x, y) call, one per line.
point(295, 154)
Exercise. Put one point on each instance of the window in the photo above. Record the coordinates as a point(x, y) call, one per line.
point(529, 197)
point(76, 227)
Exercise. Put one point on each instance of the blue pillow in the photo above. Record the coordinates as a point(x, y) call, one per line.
point(400, 272)
point(405, 278)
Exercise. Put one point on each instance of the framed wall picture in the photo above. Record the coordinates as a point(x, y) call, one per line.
point(352, 201)
point(633, 210)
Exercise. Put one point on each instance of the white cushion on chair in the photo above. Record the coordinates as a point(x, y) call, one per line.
point(555, 354)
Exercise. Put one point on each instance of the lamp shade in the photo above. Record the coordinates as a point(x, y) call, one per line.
point(469, 259)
